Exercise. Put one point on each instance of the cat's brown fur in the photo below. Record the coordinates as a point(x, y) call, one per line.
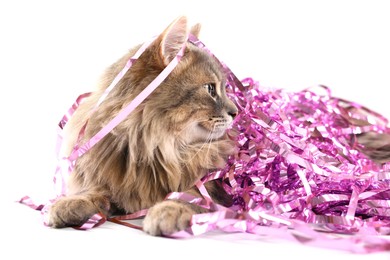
point(166, 144)
point(375, 145)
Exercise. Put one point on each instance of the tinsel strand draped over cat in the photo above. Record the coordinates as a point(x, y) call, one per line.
point(171, 140)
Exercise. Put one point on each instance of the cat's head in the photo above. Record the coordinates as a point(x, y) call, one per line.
point(191, 103)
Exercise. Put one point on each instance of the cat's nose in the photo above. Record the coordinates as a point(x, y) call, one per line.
point(232, 111)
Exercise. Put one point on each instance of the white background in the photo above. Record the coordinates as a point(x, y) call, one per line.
point(52, 51)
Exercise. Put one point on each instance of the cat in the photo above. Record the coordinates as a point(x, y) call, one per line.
point(168, 143)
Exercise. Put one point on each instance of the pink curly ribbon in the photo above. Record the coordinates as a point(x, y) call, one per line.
point(299, 175)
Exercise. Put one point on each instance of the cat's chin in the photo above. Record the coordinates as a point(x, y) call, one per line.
point(205, 135)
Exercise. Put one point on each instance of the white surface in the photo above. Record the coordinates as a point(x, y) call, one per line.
point(52, 51)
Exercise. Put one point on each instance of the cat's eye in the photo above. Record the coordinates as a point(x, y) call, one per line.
point(211, 89)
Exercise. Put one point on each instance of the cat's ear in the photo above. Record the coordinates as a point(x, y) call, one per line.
point(195, 30)
point(173, 38)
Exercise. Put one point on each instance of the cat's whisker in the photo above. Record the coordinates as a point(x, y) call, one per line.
point(191, 125)
point(208, 141)
point(185, 128)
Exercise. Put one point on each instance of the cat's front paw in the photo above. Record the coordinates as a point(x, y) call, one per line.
point(67, 212)
point(168, 217)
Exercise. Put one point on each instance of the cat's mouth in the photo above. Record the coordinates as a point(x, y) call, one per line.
point(206, 131)
point(214, 128)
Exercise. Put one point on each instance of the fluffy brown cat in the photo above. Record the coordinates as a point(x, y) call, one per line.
point(166, 144)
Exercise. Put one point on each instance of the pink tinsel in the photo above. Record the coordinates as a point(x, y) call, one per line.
point(299, 159)
point(299, 169)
